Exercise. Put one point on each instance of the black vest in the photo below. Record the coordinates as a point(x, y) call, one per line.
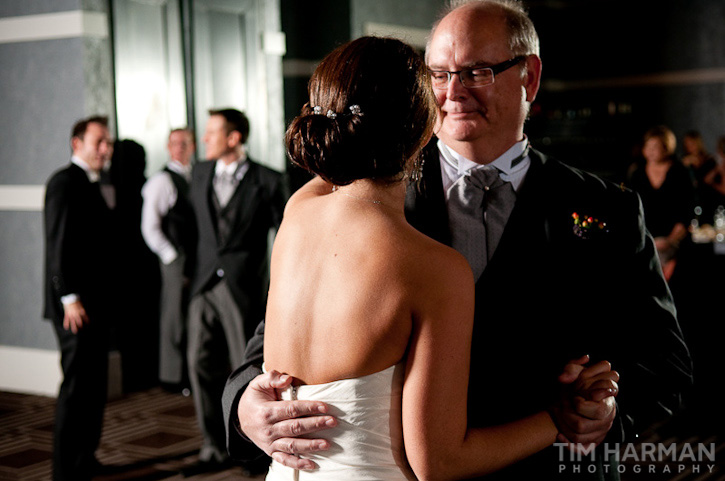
point(178, 224)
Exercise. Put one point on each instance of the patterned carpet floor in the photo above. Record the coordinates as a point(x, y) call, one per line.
point(147, 436)
point(150, 435)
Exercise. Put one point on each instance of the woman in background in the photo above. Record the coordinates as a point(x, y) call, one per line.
point(696, 157)
point(667, 194)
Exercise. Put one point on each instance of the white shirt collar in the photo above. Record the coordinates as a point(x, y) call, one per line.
point(502, 163)
point(513, 164)
point(179, 168)
point(93, 176)
point(237, 168)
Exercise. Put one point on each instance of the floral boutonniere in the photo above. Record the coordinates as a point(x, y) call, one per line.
point(587, 226)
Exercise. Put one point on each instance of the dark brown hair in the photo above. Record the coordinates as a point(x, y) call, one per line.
point(389, 82)
point(80, 127)
point(235, 120)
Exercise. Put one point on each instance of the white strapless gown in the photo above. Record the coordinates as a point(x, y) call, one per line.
point(367, 444)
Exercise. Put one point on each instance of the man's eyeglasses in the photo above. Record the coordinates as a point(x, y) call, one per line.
point(473, 77)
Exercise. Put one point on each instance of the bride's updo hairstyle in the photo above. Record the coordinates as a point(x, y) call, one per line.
point(371, 111)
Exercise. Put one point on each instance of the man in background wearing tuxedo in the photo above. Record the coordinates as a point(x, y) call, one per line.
point(236, 203)
point(169, 230)
point(563, 265)
point(80, 295)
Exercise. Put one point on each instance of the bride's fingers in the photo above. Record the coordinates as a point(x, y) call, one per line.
point(597, 395)
point(595, 369)
point(584, 385)
point(601, 389)
point(581, 361)
point(604, 383)
point(572, 370)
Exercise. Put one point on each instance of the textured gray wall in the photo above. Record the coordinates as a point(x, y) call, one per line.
point(21, 296)
point(45, 86)
point(12, 8)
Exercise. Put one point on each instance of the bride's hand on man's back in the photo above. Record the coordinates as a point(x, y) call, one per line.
point(275, 425)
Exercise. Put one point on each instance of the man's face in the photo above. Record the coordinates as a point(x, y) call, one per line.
point(490, 116)
point(690, 145)
point(216, 139)
point(181, 146)
point(95, 146)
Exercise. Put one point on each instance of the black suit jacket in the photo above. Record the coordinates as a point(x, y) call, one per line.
point(243, 257)
point(549, 295)
point(553, 292)
point(80, 238)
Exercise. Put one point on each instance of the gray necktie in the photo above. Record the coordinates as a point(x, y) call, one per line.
point(224, 185)
point(479, 192)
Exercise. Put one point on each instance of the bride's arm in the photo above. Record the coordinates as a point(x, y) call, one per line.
point(437, 441)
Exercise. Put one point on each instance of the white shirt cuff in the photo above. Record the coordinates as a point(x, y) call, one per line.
point(69, 299)
point(168, 256)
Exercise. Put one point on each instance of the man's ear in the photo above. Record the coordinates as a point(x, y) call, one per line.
point(75, 143)
point(234, 138)
point(532, 79)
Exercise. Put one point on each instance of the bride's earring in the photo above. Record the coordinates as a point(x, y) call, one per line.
point(416, 173)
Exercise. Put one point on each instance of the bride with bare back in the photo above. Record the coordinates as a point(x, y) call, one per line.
point(366, 313)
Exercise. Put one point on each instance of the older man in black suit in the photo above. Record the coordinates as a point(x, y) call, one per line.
point(236, 203)
point(563, 264)
point(79, 295)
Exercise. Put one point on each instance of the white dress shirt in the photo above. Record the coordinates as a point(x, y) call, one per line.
point(93, 175)
point(159, 196)
point(233, 171)
point(454, 165)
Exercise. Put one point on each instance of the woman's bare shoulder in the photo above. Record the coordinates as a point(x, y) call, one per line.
point(313, 189)
point(438, 262)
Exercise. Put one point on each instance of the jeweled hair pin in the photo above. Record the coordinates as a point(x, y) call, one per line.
point(354, 110)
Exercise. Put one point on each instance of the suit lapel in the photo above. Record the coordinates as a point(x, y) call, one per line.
point(426, 207)
point(206, 216)
point(245, 199)
point(425, 204)
point(526, 237)
point(527, 227)
point(91, 191)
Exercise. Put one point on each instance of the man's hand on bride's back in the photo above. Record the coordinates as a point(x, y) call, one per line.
point(274, 425)
point(586, 409)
